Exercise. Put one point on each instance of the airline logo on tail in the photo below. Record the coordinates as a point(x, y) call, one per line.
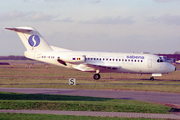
point(34, 40)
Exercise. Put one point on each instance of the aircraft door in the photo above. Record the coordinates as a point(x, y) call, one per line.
point(149, 63)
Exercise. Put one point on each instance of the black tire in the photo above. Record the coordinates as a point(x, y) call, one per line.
point(152, 78)
point(96, 76)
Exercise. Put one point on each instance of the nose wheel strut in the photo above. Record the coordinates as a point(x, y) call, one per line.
point(152, 78)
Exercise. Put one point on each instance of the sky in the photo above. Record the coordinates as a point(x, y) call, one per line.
point(94, 25)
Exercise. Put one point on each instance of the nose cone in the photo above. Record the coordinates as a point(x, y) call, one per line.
point(167, 68)
point(172, 68)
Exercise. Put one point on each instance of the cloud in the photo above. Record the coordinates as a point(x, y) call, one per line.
point(25, 16)
point(110, 20)
point(90, 1)
point(33, 1)
point(167, 19)
point(95, 1)
point(11, 16)
point(53, 0)
point(29, 1)
point(65, 20)
point(40, 17)
point(165, 0)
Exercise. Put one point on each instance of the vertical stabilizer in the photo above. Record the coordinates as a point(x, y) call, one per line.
point(31, 39)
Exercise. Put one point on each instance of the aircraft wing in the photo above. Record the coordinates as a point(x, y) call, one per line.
point(104, 66)
point(94, 67)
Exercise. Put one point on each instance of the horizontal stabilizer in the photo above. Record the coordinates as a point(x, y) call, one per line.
point(23, 30)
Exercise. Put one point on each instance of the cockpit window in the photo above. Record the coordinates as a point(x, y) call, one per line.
point(160, 60)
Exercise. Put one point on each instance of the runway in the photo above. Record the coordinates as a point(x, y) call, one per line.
point(165, 98)
point(92, 84)
point(158, 97)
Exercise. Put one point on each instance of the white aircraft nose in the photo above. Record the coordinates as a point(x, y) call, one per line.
point(172, 68)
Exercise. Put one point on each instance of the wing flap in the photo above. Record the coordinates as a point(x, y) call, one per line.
point(94, 67)
point(113, 67)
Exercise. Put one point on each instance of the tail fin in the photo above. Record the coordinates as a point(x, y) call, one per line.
point(31, 38)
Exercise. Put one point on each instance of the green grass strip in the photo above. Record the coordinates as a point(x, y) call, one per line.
point(76, 103)
point(20, 116)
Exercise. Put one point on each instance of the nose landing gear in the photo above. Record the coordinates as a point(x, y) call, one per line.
point(152, 78)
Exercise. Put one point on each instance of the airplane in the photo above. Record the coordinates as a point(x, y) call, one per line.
point(97, 62)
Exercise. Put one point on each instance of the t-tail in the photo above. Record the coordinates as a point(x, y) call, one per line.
point(32, 40)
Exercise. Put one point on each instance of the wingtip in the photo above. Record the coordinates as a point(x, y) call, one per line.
point(8, 28)
point(20, 29)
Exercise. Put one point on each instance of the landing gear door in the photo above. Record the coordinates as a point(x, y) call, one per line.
point(149, 63)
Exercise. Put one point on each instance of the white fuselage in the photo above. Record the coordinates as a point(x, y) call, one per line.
point(105, 61)
point(99, 62)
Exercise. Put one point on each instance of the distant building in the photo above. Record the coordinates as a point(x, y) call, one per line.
point(171, 58)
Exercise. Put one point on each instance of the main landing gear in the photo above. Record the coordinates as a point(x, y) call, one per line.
point(97, 76)
point(152, 78)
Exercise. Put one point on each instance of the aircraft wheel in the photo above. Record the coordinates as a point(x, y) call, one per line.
point(152, 78)
point(96, 76)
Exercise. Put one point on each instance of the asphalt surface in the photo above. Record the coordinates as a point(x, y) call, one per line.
point(166, 98)
point(92, 84)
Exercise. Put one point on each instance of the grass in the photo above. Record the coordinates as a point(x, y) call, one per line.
point(76, 103)
point(20, 116)
point(57, 77)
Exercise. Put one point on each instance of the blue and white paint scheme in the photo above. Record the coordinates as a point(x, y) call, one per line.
point(98, 62)
point(34, 40)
